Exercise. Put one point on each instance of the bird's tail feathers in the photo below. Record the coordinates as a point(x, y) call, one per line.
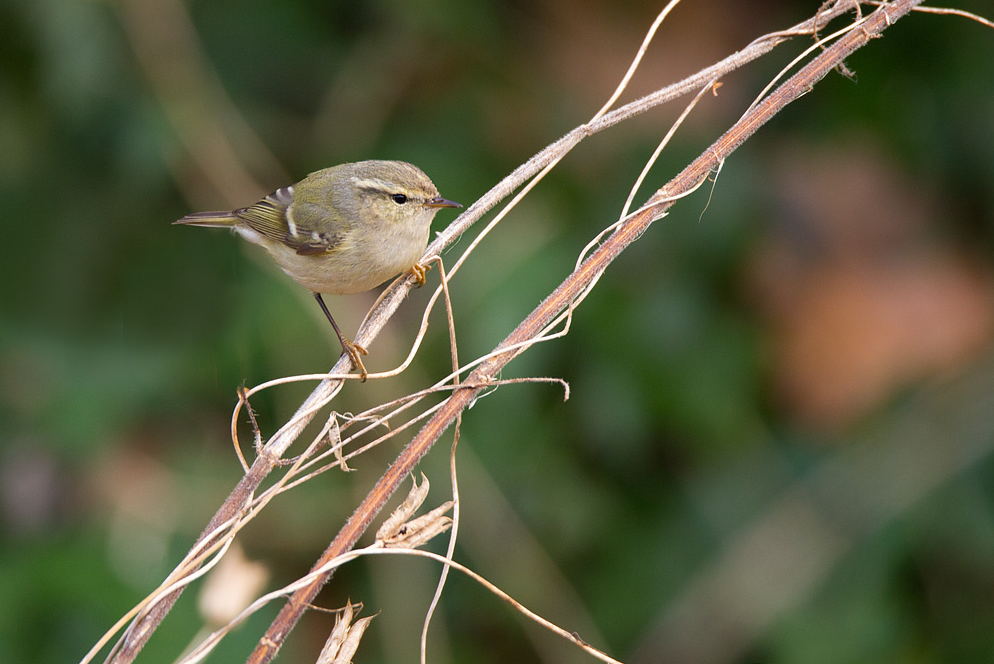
point(211, 219)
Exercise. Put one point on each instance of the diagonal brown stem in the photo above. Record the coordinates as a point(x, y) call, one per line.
point(562, 298)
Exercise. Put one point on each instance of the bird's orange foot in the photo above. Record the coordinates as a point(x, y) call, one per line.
point(419, 271)
point(355, 353)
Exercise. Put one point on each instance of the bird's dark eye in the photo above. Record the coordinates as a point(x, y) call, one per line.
point(399, 199)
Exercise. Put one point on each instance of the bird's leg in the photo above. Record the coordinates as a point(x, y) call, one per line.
point(352, 349)
point(419, 271)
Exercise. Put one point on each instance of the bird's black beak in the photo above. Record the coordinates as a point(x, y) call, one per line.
point(439, 202)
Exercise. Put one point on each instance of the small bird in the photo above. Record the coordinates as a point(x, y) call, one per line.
point(341, 230)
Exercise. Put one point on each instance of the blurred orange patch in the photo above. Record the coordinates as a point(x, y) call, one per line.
point(862, 294)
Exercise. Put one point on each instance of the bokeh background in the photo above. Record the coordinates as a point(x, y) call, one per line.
point(778, 444)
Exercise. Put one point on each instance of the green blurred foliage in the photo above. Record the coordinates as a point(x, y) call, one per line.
point(123, 339)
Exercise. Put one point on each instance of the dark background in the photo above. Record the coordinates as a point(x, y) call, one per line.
point(778, 444)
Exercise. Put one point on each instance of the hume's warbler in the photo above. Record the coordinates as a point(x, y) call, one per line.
point(341, 230)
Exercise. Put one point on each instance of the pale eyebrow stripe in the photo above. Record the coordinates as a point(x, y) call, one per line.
point(374, 183)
